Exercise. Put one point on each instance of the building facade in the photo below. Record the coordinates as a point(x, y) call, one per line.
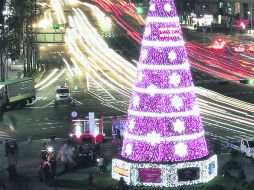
point(239, 9)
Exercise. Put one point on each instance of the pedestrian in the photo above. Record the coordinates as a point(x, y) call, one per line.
point(121, 185)
point(97, 149)
point(15, 147)
point(40, 171)
point(53, 167)
point(52, 137)
point(12, 172)
point(104, 164)
point(44, 151)
point(101, 164)
point(12, 150)
point(46, 170)
point(7, 148)
point(118, 133)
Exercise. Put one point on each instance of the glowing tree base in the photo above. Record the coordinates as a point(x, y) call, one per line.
point(165, 174)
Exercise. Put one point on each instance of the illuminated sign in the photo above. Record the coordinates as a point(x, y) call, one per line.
point(121, 171)
point(152, 175)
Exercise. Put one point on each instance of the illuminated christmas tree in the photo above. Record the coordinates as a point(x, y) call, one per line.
point(164, 124)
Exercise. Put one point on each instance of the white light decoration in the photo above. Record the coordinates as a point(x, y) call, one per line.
point(144, 54)
point(196, 109)
point(132, 124)
point(179, 126)
point(50, 149)
point(175, 79)
point(172, 55)
point(177, 102)
point(141, 77)
point(136, 100)
point(152, 7)
point(208, 169)
point(152, 89)
point(181, 149)
point(148, 31)
point(78, 129)
point(154, 137)
point(167, 7)
point(128, 149)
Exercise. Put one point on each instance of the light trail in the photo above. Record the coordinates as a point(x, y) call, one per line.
point(77, 69)
point(47, 78)
point(88, 49)
point(53, 80)
point(57, 6)
point(68, 67)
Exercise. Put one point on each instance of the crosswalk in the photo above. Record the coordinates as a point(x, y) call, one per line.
point(105, 97)
point(5, 136)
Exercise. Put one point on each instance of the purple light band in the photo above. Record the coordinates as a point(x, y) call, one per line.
point(164, 126)
point(144, 152)
point(161, 79)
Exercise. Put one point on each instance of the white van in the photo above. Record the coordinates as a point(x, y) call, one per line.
point(243, 146)
point(63, 94)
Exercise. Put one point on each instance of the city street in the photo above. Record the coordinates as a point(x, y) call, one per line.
point(99, 63)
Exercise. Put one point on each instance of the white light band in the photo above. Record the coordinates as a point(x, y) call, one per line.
point(162, 20)
point(160, 115)
point(164, 91)
point(185, 66)
point(164, 139)
point(163, 43)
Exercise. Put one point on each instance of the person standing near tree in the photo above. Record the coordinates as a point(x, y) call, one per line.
point(7, 148)
point(121, 185)
point(46, 170)
point(12, 150)
point(53, 167)
point(101, 164)
point(97, 149)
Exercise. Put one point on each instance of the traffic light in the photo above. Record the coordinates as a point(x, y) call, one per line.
point(56, 26)
point(247, 81)
point(140, 10)
point(242, 26)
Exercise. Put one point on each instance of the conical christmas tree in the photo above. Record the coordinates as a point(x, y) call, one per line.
point(164, 123)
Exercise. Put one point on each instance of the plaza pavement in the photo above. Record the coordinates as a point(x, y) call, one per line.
point(28, 160)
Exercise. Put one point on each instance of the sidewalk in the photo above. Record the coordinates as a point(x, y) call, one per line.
point(28, 160)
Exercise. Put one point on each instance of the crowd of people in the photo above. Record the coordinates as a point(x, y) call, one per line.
point(87, 153)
